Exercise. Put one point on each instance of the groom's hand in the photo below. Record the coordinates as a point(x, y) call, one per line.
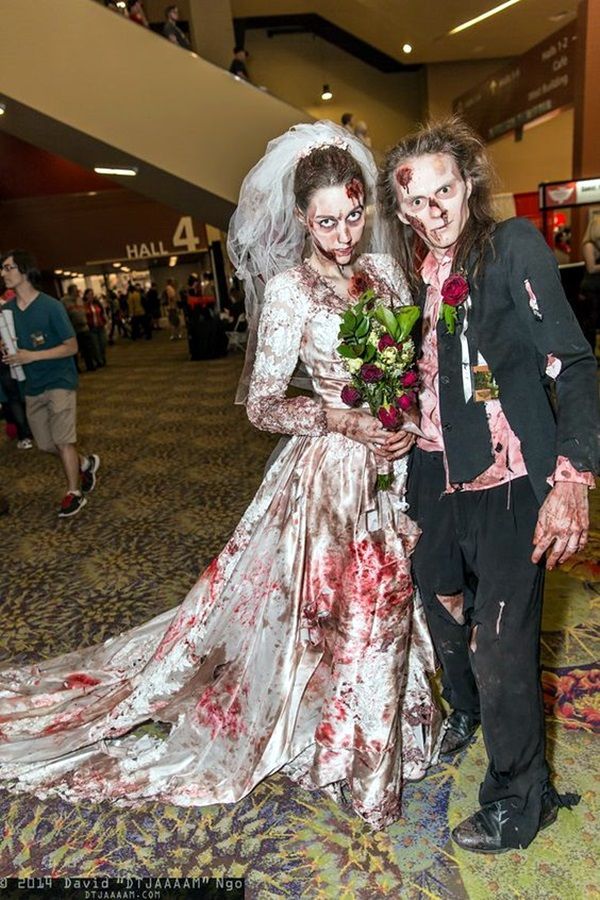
point(562, 525)
point(397, 445)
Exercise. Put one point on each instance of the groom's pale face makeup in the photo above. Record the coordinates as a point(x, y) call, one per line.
point(433, 199)
point(335, 219)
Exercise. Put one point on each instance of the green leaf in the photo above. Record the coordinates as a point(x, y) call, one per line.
point(367, 296)
point(348, 352)
point(406, 317)
point(387, 319)
point(364, 326)
point(370, 352)
point(349, 320)
point(449, 317)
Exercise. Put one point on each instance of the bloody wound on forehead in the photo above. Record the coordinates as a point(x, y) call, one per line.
point(355, 190)
point(404, 176)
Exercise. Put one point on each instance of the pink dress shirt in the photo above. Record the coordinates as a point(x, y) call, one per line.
point(506, 447)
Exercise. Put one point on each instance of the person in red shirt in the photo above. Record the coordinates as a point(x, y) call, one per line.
point(137, 13)
point(96, 320)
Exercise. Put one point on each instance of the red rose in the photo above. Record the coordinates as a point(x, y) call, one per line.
point(386, 341)
point(409, 379)
point(389, 418)
point(406, 401)
point(371, 373)
point(351, 396)
point(455, 290)
point(359, 284)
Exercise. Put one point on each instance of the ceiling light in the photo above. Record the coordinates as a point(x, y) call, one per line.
point(407, 48)
point(172, 260)
point(112, 170)
point(59, 272)
point(117, 265)
point(326, 93)
point(2, 109)
point(125, 269)
point(121, 4)
point(485, 15)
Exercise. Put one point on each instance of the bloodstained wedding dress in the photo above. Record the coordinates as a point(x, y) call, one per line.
point(301, 647)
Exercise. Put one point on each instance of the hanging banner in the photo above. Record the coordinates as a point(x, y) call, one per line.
point(531, 86)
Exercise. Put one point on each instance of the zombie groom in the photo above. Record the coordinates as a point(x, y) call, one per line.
point(499, 482)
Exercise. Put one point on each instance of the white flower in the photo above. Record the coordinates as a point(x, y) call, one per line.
point(354, 365)
point(373, 338)
point(389, 356)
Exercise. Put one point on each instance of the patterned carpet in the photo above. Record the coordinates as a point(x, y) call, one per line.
point(179, 465)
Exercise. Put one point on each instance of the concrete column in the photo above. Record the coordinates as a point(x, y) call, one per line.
point(211, 28)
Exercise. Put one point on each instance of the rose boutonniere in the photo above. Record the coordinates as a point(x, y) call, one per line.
point(455, 291)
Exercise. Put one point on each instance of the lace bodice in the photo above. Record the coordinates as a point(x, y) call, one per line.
point(300, 320)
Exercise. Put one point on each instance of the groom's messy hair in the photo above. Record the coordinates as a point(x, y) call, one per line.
point(455, 138)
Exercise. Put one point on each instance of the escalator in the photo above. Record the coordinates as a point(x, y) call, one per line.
point(82, 82)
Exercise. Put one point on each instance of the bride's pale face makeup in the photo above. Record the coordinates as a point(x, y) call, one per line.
point(335, 219)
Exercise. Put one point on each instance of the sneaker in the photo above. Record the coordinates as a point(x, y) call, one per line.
point(88, 476)
point(71, 504)
point(25, 444)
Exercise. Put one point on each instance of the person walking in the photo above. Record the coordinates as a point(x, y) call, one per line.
point(96, 320)
point(46, 347)
point(75, 307)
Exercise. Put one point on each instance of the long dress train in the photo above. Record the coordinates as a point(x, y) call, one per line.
point(302, 647)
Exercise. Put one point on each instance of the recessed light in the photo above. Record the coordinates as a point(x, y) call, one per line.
point(117, 265)
point(115, 170)
point(2, 109)
point(326, 93)
point(483, 16)
point(407, 48)
point(59, 272)
point(172, 260)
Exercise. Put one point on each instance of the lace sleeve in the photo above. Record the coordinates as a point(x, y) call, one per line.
point(279, 337)
point(388, 274)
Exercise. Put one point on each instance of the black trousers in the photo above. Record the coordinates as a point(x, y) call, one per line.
point(480, 542)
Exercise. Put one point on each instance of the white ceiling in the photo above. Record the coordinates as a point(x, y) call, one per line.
point(388, 24)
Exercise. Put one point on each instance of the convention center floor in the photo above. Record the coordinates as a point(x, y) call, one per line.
point(179, 465)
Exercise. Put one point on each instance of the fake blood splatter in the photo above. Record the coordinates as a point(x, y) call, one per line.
point(433, 204)
point(355, 191)
point(404, 176)
point(417, 225)
point(80, 680)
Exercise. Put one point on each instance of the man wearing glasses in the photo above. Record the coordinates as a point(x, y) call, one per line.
point(46, 347)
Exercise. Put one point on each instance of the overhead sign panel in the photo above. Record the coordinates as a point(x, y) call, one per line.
point(533, 85)
point(564, 194)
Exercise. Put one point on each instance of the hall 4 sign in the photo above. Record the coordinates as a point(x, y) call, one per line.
point(184, 240)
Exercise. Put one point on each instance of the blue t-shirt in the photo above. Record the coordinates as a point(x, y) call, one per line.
point(43, 325)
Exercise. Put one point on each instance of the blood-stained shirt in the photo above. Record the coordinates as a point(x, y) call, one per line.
point(506, 447)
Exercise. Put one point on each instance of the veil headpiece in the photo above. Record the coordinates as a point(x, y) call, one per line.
point(265, 236)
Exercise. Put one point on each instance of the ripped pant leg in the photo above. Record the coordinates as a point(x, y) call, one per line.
point(504, 652)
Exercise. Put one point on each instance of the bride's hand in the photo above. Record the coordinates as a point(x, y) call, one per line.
point(360, 426)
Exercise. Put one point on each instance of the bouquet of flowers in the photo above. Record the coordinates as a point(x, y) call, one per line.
point(379, 354)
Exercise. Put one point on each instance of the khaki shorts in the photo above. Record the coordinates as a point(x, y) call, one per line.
point(52, 418)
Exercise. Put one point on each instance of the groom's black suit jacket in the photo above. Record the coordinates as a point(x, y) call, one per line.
point(515, 337)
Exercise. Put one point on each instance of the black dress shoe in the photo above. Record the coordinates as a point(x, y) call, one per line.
point(460, 728)
point(482, 832)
